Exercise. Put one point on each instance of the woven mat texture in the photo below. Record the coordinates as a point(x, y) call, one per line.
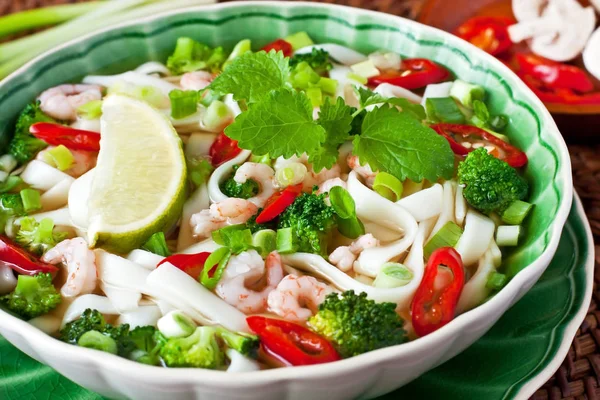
point(578, 378)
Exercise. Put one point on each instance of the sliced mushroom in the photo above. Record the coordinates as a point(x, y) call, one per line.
point(527, 10)
point(596, 4)
point(591, 54)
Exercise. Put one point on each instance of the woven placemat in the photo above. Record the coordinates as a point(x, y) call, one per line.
point(578, 378)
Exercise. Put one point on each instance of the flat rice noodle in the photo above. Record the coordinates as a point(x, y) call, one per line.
point(197, 202)
point(122, 299)
point(143, 316)
point(145, 258)
point(57, 196)
point(42, 176)
point(476, 238)
point(475, 290)
point(447, 214)
point(424, 204)
point(82, 303)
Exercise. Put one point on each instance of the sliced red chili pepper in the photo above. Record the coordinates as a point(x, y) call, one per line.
point(434, 303)
point(415, 73)
point(278, 202)
point(191, 264)
point(223, 149)
point(280, 45)
point(292, 343)
point(20, 260)
point(457, 134)
point(488, 33)
point(554, 74)
point(74, 139)
point(557, 95)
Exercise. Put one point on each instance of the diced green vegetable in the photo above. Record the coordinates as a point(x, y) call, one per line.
point(315, 95)
point(357, 78)
point(10, 183)
point(286, 241)
point(183, 103)
point(393, 275)
point(199, 170)
point(465, 92)
point(444, 109)
point(299, 40)
point(498, 122)
point(243, 46)
point(265, 240)
point(237, 238)
point(388, 186)
point(8, 162)
point(219, 257)
point(303, 76)
point(447, 236)
point(508, 235)
point(31, 200)
point(38, 237)
point(216, 116)
point(481, 115)
point(90, 110)
point(59, 157)
point(291, 174)
point(190, 56)
point(516, 213)
point(496, 281)
point(98, 341)
point(328, 85)
point(265, 159)
point(366, 69)
point(318, 59)
point(157, 244)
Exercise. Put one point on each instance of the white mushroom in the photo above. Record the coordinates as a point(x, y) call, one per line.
point(527, 10)
point(591, 54)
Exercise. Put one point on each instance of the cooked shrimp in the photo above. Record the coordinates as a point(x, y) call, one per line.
point(263, 175)
point(297, 298)
point(364, 171)
point(61, 102)
point(197, 80)
point(315, 179)
point(326, 186)
point(227, 212)
point(344, 256)
point(83, 161)
point(81, 266)
point(248, 268)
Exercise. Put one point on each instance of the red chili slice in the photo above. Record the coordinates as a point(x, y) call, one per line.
point(292, 343)
point(74, 139)
point(488, 33)
point(472, 135)
point(434, 304)
point(223, 149)
point(21, 261)
point(280, 45)
point(554, 74)
point(191, 264)
point(415, 73)
point(278, 202)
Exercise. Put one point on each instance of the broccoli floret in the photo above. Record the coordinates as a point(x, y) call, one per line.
point(242, 343)
point(246, 190)
point(199, 350)
point(146, 342)
point(12, 205)
point(356, 325)
point(90, 320)
point(24, 146)
point(318, 59)
point(491, 185)
point(190, 56)
point(255, 227)
point(33, 296)
point(311, 220)
point(38, 237)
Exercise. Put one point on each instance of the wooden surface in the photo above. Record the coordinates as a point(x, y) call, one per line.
point(579, 376)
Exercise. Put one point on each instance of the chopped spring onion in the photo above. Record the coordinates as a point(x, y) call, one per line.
point(183, 103)
point(444, 109)
point(286, 241)
point(303, 76)
point(216, 116)
point(388, 186)
point(243, 46)
point(498, 122)
point(3, 176)
point(292, 174)
point(447, 236)
point(299, 40)
point(31, 200)
point(328, 85)
point(315, 95)
point(508, 235)
point(219, 257)
point(357, 78)
point(208, 96)
point(59, 157)
point(265, 240)
point(10, 183)
point(98, 341)
point(393, 275)
point(90, 110)
point(199, 170)
point(218, 235)
point(366, 69)
point(516, 212)
point(466, 93)
point(8, 162)
point(236, 237)
point(481, 115)
point(157, 244)
point(176, 324)
point(265, 159)
point(496, 281)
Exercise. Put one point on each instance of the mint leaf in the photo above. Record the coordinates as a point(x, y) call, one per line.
point(252, 76)
point(368, 98)
point(281, 125)
point(336, 118)
point(393, 142)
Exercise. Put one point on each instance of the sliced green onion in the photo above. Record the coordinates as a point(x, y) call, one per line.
point(8, 162)
point(447, 236)
point(303, 76)
point(315, 95)
point(498, 122)
point(357, 78)
point(31, 200)
point(242, 47)
point(157, 244)
point(219, 257)
point(388, 186)
point(265, 159)
point(150, 95)
point(496, 281)
point(352, 228)
point(291, 174)
point(216, 115)
point(299, 40)
point(90, 110)
point(265, 240)
point(500, 136)
point(199, 170)
point(508, 235)
point(516, 212)
point(444, 109)
point(286, 241)
point(10, 183)
point(342, 202)
point(366, 69)
point(208, 96)
point(59, 157)
point(98, 341)
point(183, 103)
point(393, 275)
point(237, 237)
point(481, 113)
point(328, 85)
point(465, 92)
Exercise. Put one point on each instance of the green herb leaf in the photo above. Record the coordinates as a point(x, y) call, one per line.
point(342, 202)
point(280, 125)
point(336, 118)
point(190, 55)
point(368, 98)
point(393, 142)
point(252, 76)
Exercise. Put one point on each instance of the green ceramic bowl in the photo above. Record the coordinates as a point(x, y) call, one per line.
point(122, 48)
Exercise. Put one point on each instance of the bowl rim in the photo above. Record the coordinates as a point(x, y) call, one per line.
point(382, 356)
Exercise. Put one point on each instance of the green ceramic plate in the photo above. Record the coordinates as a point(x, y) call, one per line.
point(511, 361)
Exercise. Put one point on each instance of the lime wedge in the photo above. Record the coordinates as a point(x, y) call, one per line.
point(139, 181)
